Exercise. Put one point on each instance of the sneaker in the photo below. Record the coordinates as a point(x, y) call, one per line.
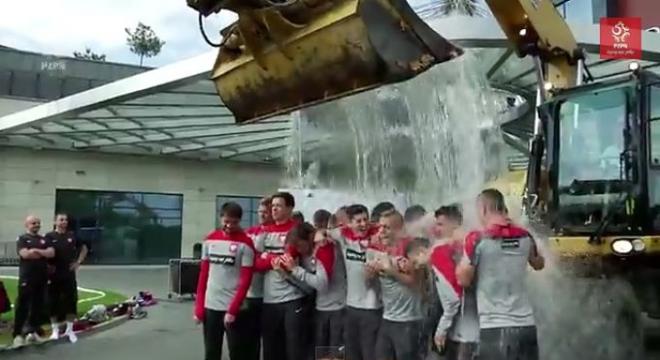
point(73, 338)
point(55, 334)
point(34, 337)
point(19, 341)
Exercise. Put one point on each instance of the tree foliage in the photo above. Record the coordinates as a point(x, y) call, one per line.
point(143, 41)
point(461, 7)
point(88, 54)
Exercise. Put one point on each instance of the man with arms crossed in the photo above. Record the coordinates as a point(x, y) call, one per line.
point(496, 259)
point(34, 252)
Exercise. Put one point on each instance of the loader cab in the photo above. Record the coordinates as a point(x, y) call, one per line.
point(603, 157)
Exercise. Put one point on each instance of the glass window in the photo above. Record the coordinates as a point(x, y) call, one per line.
point(125, 227)
point(591, 136)
point(655, 102)
point(654, 113)
point(250, 205)
point(655, 142)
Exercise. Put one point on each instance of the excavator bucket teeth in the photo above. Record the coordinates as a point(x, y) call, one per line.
point(342, 48)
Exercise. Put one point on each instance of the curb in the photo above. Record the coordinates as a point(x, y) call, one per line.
point(110, 324)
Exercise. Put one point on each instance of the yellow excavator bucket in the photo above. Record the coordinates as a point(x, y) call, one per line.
point(280, 57)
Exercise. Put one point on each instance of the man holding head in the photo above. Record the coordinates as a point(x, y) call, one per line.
point(33, 251)
point(496, 258)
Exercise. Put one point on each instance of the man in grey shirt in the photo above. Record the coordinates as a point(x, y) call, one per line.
point(496, 259)
point(363, 300)
point(401, 328)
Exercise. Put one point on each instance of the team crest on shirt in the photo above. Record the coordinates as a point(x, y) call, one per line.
point(282, 238)
point(70, 240)
point(42, 241)
point(233, 248)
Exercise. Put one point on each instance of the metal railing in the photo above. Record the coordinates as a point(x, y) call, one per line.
point(8, 256)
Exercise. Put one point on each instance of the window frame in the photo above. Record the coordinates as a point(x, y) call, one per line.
point(252, 212)
point(99, 225)
point(651, 121)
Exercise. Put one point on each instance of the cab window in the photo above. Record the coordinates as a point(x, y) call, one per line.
point(655, 124)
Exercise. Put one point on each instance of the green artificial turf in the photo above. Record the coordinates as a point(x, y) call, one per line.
point(86, 299)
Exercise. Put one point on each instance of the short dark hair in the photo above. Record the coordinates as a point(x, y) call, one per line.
point(61, 213)
point(332, 221)
point(414, 212)
point(297, 215)
point(301, 232)
point(232, 210)
point(356, 209)
point(267, 201)
point(451, 212)
point(416, 243)
point(380, 208)
point(321, 216)
point(494, 200)
point(289, 200)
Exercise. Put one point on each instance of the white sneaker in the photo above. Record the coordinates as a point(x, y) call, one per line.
point(55, 334)
point(34, 337)
point(19, 341)
point(73, 338)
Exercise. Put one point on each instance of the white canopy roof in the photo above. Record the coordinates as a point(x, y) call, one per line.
point(174, 110)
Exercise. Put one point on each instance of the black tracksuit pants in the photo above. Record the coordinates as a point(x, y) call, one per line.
point(238, 336)
point(361, 331)
point(285, 331)
point(253, 315)
point(329, 334)
point(63, 296)
point(29, 305)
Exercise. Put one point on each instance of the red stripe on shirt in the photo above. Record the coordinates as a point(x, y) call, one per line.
point(326, 256)
point(443, 261)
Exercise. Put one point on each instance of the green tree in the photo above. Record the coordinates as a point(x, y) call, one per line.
point(143, 41)
point(461, 7)
point(88, 54)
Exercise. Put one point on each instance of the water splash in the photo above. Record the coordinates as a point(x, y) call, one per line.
point(430, 138)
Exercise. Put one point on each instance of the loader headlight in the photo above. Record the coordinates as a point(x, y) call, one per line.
point(622, 246)
point(638, 245)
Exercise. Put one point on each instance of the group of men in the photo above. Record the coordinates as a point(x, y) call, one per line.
point(47, 280)
point(361, 287)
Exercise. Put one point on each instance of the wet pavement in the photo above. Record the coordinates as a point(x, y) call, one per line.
point(168, 333)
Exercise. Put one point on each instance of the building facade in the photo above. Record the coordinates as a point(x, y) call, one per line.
point(132, 209)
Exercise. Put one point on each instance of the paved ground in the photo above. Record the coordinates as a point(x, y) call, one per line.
point(168, 332)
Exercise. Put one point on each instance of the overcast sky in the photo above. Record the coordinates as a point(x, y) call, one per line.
point(61, 27)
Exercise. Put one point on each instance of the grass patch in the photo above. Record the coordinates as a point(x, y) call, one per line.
point(86, 299)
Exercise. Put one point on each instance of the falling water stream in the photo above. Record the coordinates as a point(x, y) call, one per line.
point(432, 141)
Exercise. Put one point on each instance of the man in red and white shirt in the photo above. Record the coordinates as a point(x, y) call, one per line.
point(225, 276)
point(254, 301)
